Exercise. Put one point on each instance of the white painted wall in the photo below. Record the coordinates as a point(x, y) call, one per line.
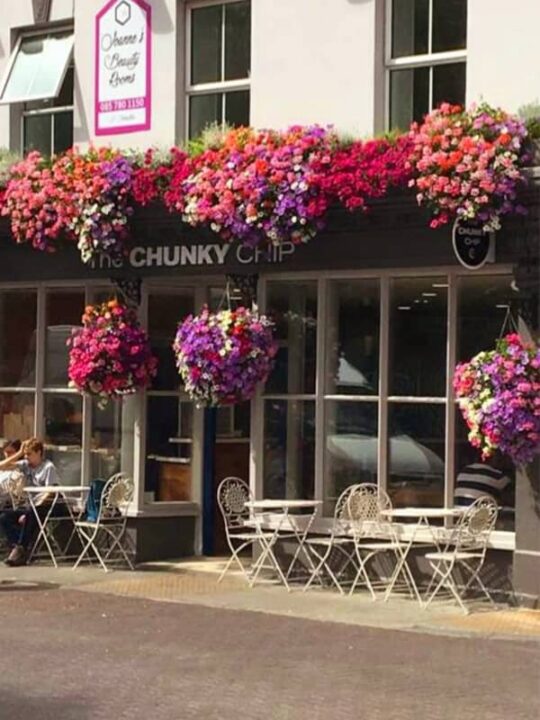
point(313, 61)
point(503, 50)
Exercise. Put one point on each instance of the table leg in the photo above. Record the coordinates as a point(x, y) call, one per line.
point(42, 525)
point(301, 537)
point(402, 565)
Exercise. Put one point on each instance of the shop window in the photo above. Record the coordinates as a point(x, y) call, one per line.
point(16, 415)
point(112, 438)
point(483, 306)
point(18, 314)
point(293, 308)
point(40, 76)
point(351, 447)
point(416, 449)
point(289, 449)
point(426, 57)
point(353, 338)
point(63, 421)
point(63, 311)
point(169, 457)
point(418, 329)
point(219, 65)
point(169, 415)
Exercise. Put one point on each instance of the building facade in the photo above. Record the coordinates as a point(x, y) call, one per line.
point(371, 316)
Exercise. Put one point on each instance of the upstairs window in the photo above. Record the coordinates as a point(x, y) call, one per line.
point(426, 57)
point(40, 77)
point(219, 64)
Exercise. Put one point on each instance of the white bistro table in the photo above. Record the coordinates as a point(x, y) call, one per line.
point(292, 520)
point(423, 517)
point(58, 493)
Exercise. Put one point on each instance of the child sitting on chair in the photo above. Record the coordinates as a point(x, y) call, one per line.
point(20, 526)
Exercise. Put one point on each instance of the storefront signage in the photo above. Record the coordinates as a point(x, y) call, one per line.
point(123, 46)
point(171, 256)
point(473, 246)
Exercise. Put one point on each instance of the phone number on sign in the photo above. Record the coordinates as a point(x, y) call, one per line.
point(129, 104)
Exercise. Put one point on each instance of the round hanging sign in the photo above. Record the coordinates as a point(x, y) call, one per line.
point(472, 244)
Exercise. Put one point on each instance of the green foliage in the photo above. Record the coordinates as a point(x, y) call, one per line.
point(531, 114)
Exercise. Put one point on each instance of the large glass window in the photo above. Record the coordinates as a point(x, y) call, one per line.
point(16, 415)
point(169, 416)
point(18, 317)
point(360, 389)
point(483, 307)
point(289, 448)
point(63, 423)
point(63, 311)
point(293, 308)
point(426, 57)
point(47, 125)
point(219, 68)
point(418, 332)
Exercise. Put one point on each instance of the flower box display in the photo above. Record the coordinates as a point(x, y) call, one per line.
point(223, 356)
point(110, 354)
point(467, 163)
point(266, 187)
point(499, 396)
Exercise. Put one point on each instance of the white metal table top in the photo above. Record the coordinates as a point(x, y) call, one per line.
point(282, 504)
point(420, 512)
point(56, 488)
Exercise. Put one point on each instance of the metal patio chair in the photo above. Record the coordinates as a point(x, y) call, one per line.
point(465, 552)
point(232, 495)
point(106, 538)
point(326, 550)
point(374, 534)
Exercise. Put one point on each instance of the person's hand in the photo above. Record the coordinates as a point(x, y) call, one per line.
point(22, 520)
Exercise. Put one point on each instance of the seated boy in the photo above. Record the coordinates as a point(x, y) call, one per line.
point(20, 526)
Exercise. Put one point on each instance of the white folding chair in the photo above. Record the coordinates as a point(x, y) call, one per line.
point(465, 552)
point(106, 538)
point(326, 550)
point(232, 495)
point(374, 534)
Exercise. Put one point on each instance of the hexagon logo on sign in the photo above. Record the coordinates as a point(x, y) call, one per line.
point(123, 58)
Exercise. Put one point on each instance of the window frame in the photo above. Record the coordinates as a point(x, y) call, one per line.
point(220, 87)
point(15, 53)
point(410, 62)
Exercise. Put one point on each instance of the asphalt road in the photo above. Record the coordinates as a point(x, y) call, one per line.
point(72, 655)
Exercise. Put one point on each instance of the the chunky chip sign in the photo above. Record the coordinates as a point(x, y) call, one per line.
point(123, 52)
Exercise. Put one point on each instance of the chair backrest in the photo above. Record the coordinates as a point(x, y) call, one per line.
point(365, 505)
point(116, 495)
point(15, 489)
point(474, 527)
point(232, 495)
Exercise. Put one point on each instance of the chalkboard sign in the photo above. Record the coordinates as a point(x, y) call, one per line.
point(473, 246)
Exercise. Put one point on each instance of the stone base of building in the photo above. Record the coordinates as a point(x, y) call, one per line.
point(162, 538)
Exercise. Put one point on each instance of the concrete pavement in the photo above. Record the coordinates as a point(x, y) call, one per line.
point(72, 655)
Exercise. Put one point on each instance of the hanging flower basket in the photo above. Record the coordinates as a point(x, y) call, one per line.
point(499, 396)
point(468, 163)
point(110, 354)
point(221, 357)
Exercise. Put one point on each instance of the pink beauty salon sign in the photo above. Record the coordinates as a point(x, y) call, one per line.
point(123, 67)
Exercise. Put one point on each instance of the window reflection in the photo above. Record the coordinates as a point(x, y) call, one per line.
point(351, 447)
point(63, 434)
point(64, 309)
point(169, 431)
point(289, 449)
point(483, 303)
point(16, 416)
point(293, 308)
point(18, 310)
point(165, 312)
point(418, 326)
point(416, 454)
point(353, 338)
point(111, 441)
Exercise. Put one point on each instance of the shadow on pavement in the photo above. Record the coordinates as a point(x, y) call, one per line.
point(18, 707)
point(22, 586)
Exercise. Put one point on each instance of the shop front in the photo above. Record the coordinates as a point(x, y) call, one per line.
point(371, 318)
